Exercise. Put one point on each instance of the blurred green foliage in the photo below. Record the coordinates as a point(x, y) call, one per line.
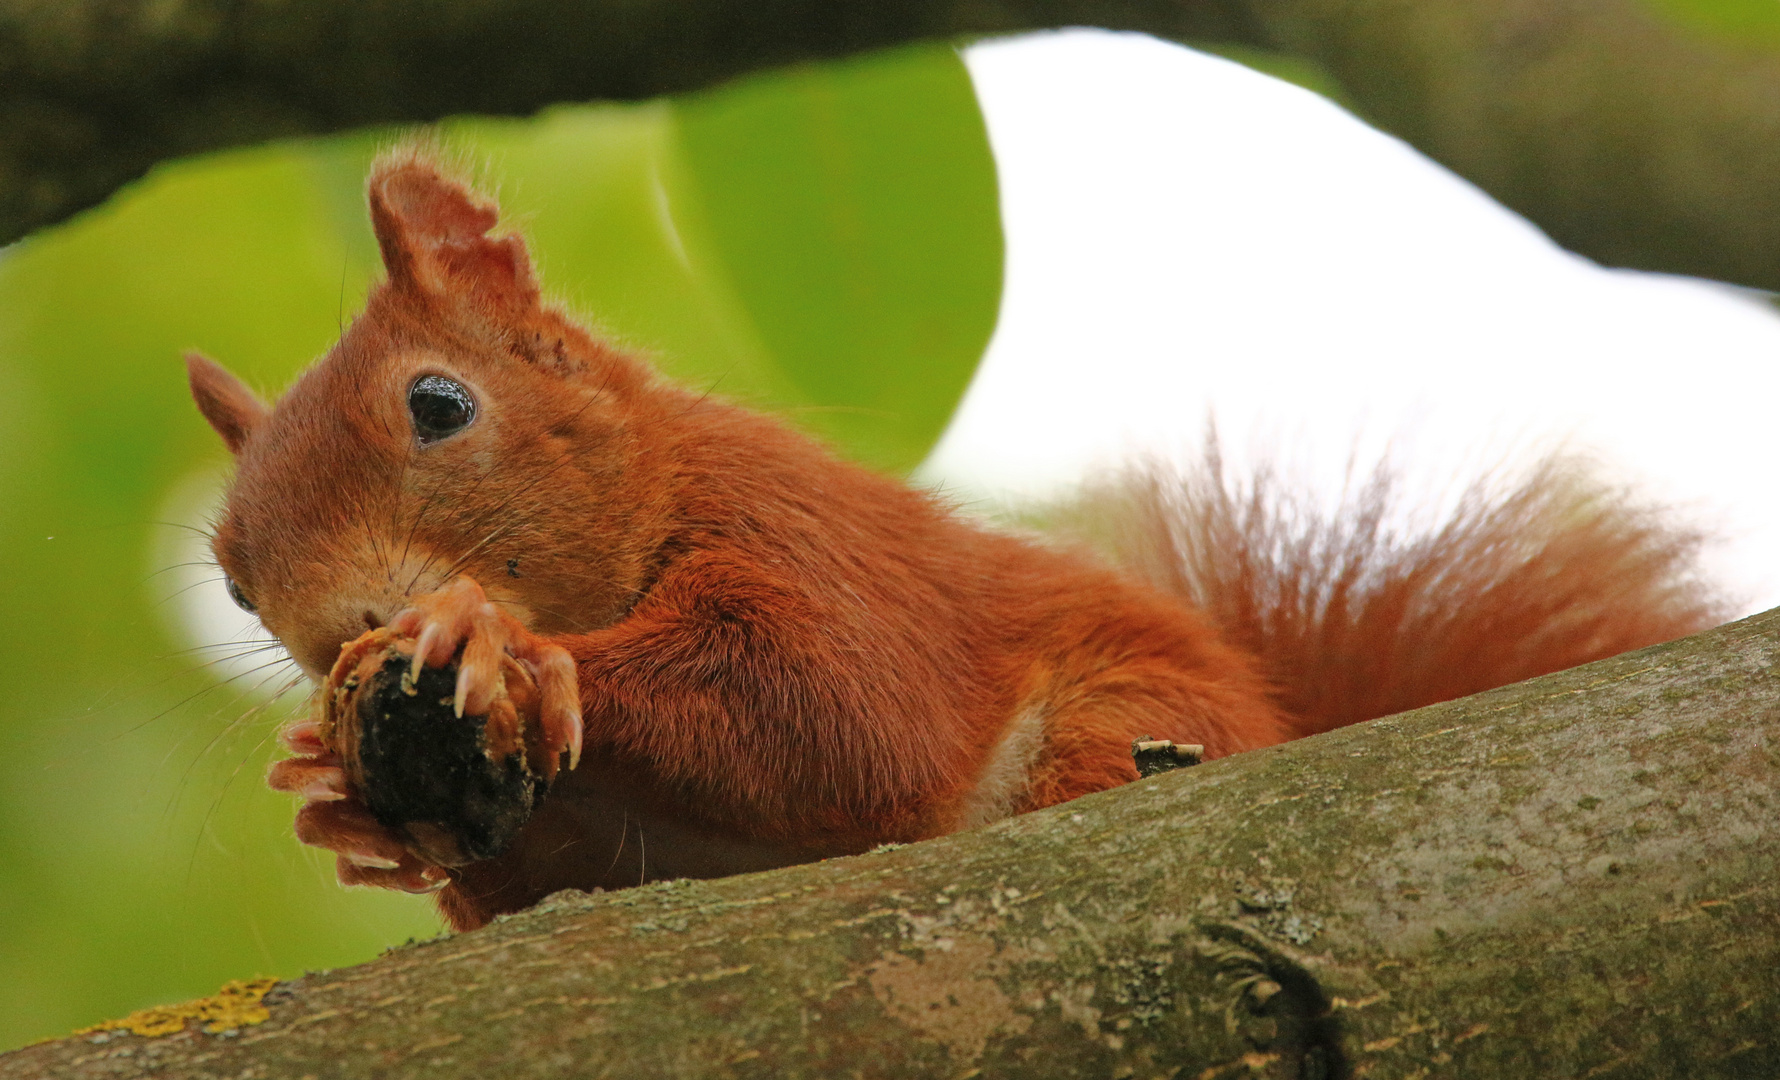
point(822, 242)
point(1755, 23)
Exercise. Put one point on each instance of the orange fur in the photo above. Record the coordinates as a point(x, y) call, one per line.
point(781, 655)
point(1352, 621)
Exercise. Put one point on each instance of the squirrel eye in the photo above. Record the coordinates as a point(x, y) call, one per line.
point(440, 407)
point(240, 598)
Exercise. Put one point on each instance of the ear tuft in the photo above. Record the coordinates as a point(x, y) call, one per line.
point(433, 232)
point(232, 409)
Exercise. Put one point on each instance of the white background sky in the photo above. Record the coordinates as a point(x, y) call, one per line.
point(1186, 237)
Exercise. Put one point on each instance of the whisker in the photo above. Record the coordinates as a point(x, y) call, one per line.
point(414, 530)
point(195, 695)
point(210, 563)
point(232, 725)
point(623, 835)
point(175, 594)
point(185, 776)
point(243, 643)
point(253, 751)
point(507, 527)
point(477, 521)
point(563, 615)
point(432, 557)
point(709, 390)
point(221, 661)
point(205, 533)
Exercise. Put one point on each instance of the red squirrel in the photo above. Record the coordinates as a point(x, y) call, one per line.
point(752, 653)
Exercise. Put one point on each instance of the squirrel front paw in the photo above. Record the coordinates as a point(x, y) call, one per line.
point(334, 818)
point(461, 615)
point(381, 801)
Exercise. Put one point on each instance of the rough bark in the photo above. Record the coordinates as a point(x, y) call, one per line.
point(1574, 876)
point(1627, 138)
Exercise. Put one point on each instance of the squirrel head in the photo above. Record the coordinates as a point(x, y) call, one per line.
point(460, 426)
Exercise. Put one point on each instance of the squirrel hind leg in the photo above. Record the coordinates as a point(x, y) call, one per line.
point(1091, 750)
point(1084, 737)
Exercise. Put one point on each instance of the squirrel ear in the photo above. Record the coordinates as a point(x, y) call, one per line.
point(433, 232)
point(232, 409)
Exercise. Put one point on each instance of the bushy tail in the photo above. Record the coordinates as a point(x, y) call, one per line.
point(1353, 620)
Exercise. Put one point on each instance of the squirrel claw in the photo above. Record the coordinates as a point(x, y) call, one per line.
point(561, 717)
point(425, 882)
point(461, 615)
point(429, 639)
point(365, 852)
point(303, 737)
point(410, 875)
point(347, 828)
point(316, 777)
point(369, 862)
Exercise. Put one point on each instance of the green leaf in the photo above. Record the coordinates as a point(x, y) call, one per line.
point(1751, 23)
point(854, 208)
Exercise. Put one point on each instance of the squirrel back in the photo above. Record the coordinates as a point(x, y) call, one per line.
point(1353, 619)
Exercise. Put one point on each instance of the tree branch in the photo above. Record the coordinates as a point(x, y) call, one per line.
point(1626, 138)
point(96, 91)
point(1563, 877)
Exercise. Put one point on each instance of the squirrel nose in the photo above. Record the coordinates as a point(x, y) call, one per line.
point(373, 621)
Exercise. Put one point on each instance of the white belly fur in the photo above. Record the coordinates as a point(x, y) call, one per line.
point(1005, 780)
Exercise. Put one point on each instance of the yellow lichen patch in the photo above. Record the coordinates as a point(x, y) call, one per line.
point(236, 1005)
